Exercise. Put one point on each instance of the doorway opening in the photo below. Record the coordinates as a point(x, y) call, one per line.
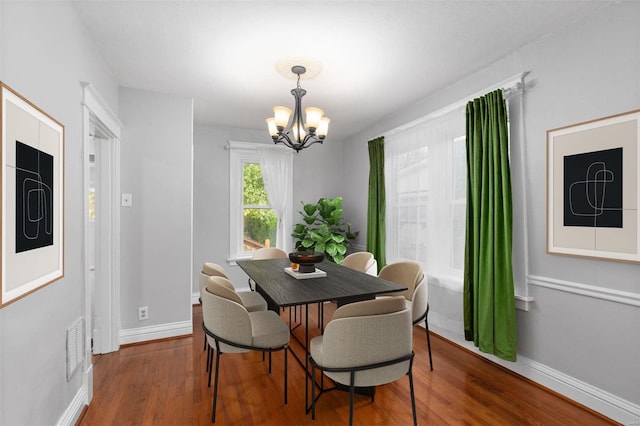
point(101, 156)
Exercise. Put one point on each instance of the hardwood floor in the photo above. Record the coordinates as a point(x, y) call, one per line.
point(165, 383)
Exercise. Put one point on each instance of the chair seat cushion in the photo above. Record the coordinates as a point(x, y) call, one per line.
point(252, 301)
point(268, 329)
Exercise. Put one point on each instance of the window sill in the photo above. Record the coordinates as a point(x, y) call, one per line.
point(456, 284)
point(232, 260)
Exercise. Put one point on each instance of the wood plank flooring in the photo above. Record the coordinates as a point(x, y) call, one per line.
point(165, 383)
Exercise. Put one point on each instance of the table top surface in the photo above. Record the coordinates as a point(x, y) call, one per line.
point(341, 284)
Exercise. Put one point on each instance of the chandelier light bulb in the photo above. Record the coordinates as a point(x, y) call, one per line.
point(323, 128)
point(271, 124)
point(281, 115)
point(313, 117)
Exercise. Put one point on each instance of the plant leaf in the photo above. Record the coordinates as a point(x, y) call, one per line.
point(331, 249)
point(310, 209)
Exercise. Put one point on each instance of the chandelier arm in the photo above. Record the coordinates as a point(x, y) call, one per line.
point(284, 139)
point(312, 142)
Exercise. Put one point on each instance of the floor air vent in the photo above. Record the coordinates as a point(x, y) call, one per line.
point(75, 337)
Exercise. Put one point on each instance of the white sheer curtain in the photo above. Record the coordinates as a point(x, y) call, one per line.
point(423, 163)
point(276, 165)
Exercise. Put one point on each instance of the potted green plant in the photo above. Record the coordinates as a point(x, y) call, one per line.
point(323, 229)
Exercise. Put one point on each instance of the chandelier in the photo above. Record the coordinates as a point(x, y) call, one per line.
point(298, 133)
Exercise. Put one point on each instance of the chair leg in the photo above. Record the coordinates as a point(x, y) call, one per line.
point(205, 342)
point(215, 389)
point(426, 328)
point(209, 364)
point(285, 374)
point(269, 362)
point(351, 392)
point(413, 398)
point(313, 392)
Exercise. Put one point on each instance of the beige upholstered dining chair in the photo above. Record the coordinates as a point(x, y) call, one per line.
point(251, 300)
point(362, 261)
point(231, 328)
point(267, 253)
point(366, 344)
point(410, 275)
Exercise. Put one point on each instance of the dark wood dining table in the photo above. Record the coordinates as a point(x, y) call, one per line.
point(341, 285)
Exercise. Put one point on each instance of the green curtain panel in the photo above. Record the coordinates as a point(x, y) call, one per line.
point(489, 303)
point(376, 223)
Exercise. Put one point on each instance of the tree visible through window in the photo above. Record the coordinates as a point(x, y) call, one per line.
point(260, 221)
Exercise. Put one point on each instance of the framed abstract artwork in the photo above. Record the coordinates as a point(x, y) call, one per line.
point(593, 188)
point(32, 197)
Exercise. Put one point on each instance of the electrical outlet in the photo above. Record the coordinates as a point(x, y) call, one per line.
point(143, 313)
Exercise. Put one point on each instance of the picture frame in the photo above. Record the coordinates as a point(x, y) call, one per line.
point(32, 185)
point(593, 188)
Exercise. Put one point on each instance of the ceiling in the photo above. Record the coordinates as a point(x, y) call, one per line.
point(375, 56)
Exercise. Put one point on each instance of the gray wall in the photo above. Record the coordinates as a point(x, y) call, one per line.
point(317, 172)
point(587, 70)
point(45, 51)
point(157, 168)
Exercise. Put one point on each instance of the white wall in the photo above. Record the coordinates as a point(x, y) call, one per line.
point(157, 168)
point(584, 346)
point(317, 172)
point(45, 52)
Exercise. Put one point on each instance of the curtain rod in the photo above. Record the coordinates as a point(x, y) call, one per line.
point(510, 87)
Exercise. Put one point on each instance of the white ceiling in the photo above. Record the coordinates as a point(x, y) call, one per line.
point(376, 56)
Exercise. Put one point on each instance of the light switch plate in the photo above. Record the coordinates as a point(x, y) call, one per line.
point(127, 200)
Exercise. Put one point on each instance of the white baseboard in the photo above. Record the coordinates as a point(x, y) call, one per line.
point(590, 396)
point(154, 332)
point(73, 411)
point(195, 298)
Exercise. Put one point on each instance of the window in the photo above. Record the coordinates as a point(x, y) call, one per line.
point(254, 221)
point(425, 172)
point(259, 220)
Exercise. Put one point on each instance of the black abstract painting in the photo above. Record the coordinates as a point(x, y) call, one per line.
point(593, 189)
point(34, 198)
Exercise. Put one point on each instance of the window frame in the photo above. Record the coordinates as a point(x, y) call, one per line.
point(240, 154)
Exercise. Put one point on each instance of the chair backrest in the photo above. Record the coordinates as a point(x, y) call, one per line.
point(210, 269)
point(362, 261)
point(224, 315)
point(406, 273)
point(420, 300)
point(368, 332)
point(213, 269)
point(270, 253)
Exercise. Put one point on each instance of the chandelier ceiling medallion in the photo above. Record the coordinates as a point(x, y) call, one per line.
point(298, 133)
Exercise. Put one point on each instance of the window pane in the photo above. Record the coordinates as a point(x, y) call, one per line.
point(459, 167)
point(459, 215)
point(259, 228)
point(253, 192)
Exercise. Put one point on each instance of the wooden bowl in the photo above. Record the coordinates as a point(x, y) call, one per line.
point(306, 260)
